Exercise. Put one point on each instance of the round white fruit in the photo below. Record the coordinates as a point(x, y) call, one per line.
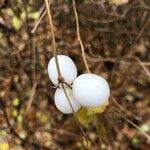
point(62, 103)
point(67, 68)
point(91, 90)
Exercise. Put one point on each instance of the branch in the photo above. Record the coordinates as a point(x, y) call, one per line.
point(79, 37)
point(130, 122)
point(60, 78)
point(31, 98)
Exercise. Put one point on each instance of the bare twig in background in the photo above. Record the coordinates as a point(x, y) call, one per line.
point(124, 110)
point(31, 98)
point(140, 63)
point(39, 20)
point(122, 60)
point(79, 37)
point(105, 30)
point(34, 46)
point(97, 58)
point(130, 122)
point(12, 130)
point(3, 79)
point(142, 31)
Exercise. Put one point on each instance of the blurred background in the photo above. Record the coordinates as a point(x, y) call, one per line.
point(116, 36)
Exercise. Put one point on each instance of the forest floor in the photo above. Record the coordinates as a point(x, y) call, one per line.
point(117, 46)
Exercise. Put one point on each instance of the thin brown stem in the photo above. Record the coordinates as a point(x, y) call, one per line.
point(30, 101)
point(53, 39)
point(76, 120)
point(61, 80)
point(40, 19)
point(79, 36)
point(68, 99)
point(38, 22)
point(140, 63)
point(124, 110)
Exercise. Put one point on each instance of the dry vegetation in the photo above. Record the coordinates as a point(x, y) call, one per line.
point(116, 42)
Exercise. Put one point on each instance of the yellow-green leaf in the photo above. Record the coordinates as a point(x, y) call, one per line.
point(23, 15)
point(16, 23)
point(15, 101)
point(19, 119)
point(4, 146)
point(95, 110)
point(83, 117)
point(34, 15)
point(15, 113)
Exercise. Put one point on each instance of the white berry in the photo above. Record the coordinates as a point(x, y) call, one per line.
point(67, 68)
point(91, 90)
point(62, 103)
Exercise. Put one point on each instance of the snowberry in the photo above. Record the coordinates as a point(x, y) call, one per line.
point(91, 90)
point(62, 103)
point(67, 68)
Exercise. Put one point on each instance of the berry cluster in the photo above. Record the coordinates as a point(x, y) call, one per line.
point(87, 90)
